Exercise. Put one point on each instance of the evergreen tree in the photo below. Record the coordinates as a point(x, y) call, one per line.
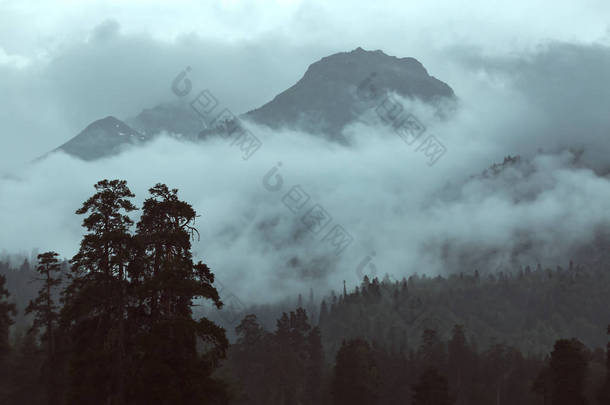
point(46, 315)
point(459, 359)
point(7, 312)
point(249, 332)
point(497, 359)
point(315, 368)
point(23, 378)
point(323, 312)
point(249, 360)
point(568, 367)
point(95, 301)
point(356, 377)
point(291, 356)
point(173, 347)
point(431, 351)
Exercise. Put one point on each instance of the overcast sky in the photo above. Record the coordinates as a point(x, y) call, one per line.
point(64, 64)
point(530, 76)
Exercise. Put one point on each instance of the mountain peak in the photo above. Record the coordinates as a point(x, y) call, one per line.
point(106, 122)
point(324, 100)
point(102, 138)
point(353, 64)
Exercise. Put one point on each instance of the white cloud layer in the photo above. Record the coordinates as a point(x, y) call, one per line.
point(532, 77)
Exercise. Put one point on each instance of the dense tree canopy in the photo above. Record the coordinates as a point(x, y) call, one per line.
point(125, 330)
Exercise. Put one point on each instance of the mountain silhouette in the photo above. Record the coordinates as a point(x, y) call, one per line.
point(326, 99)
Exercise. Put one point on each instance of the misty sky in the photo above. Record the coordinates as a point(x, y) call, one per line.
point(65, 64)
point(532, 78)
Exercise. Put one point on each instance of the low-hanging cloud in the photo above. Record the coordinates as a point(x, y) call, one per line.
point(402, 214)
point(410, 217)
point(53, 96)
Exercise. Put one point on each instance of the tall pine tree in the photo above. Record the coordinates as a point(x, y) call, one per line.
point(46, 314)
point(176, 353)
point(95, 301)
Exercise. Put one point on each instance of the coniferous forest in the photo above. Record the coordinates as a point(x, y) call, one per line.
point(304, 202)
point(117, 324)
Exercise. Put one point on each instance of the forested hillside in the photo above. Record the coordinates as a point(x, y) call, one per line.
point(116, 325)
point(528, 309)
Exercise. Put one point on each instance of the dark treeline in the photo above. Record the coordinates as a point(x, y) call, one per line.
point(288, 366)
point(115, 325)
point(529, 309)
point(119, 328)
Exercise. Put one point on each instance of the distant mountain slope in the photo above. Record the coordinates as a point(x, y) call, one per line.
point(168, 117)
point(325, 99)
point(102, 138)
point(322, 102)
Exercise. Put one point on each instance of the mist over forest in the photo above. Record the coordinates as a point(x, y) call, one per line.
point(297, 202)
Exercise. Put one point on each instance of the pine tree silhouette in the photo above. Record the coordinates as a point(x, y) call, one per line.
point(46, 315)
